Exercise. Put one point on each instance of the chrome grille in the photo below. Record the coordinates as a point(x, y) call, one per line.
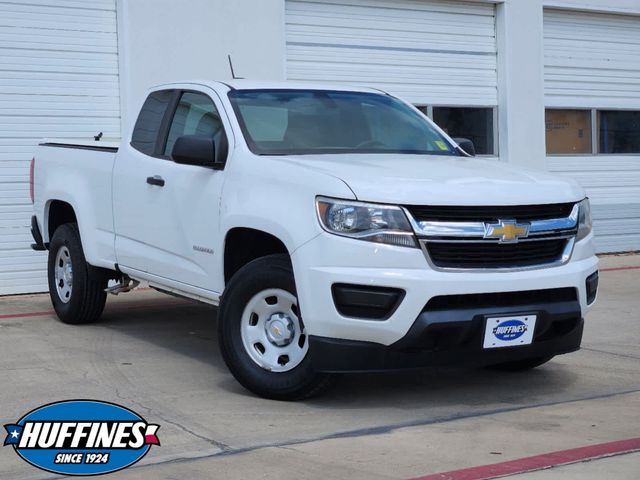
point(460, 238)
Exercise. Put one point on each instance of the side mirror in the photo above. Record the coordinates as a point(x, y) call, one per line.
point(197, 150)
point(466, 146)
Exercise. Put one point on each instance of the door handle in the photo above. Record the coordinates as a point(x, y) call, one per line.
point(156, 180)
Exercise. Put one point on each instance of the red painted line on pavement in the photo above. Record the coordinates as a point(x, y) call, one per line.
point(29, 314)
point(617, 269)
point(539, 462)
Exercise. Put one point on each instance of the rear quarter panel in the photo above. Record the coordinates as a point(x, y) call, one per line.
point(81, 178)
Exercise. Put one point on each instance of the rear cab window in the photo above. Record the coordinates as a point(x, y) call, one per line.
point(147, 129)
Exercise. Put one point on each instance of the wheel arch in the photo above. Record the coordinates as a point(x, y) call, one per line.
point(58, 212)
point(97, 244)
point(244, 244)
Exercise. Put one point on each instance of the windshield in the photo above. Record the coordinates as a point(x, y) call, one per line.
point(287, 122)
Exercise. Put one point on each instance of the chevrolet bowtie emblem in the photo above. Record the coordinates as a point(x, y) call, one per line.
point(506, 230)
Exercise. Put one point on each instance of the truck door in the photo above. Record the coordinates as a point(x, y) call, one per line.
point(175, 222)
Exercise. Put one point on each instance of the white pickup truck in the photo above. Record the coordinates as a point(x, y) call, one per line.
point(338, 229)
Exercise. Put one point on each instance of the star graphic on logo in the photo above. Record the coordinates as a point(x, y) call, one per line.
point(15, 434)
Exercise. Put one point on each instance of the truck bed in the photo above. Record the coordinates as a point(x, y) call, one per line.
point(106, 145)
point(78, 172)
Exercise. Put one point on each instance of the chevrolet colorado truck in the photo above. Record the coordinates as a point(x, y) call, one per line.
point(337, 228)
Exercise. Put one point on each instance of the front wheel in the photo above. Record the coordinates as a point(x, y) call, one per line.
point(262, 336)
point(77, 290)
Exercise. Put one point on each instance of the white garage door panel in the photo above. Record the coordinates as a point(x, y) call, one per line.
point(54, 16)
point(617, 229)
point(591, 59)
point(51, 105)
point(58, 78)
point(430, 52)
point(78, 40)
point(79, 63)
point(59, 129)
point(613, 185)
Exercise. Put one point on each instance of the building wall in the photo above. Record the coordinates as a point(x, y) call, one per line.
point(168, 40)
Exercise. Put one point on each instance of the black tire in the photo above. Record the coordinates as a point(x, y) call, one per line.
point(87, 297)
point(273, 271)
point(520, 365)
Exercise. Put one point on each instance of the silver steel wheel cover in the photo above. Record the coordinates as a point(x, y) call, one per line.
point(272, 332)
point(63, 274)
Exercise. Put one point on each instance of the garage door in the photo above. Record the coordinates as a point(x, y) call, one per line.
point(429, 52)
point(592, 87)
point(58, 78)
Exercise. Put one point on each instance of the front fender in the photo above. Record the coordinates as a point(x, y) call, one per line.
point(277, 198)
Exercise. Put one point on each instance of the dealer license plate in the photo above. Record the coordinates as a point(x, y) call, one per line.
point(509, 331)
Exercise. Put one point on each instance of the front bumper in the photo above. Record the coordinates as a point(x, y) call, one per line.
point(328, 259)
point(347, 356)
point(450, 331)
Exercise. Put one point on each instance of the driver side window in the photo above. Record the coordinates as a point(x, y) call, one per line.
point(196, 114)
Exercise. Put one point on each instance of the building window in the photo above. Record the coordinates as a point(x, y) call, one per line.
point(618, 131)
point(568, 131)
point(592, 131)
point(473, 123)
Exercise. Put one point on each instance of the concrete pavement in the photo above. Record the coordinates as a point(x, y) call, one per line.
point(158, 356)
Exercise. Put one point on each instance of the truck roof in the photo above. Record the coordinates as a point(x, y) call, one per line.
point(297, 85)
point(245, 84)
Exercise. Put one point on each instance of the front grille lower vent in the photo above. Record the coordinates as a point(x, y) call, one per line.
point(471, 301)
point(495, 255)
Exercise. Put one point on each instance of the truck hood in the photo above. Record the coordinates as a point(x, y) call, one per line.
point(440, 180)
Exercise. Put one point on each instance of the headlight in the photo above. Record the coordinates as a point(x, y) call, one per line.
point(584, 219)
point(365, 221)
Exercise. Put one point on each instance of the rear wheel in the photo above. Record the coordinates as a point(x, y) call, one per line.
point(520, 365)
point(262, 335)
point(76, 288)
